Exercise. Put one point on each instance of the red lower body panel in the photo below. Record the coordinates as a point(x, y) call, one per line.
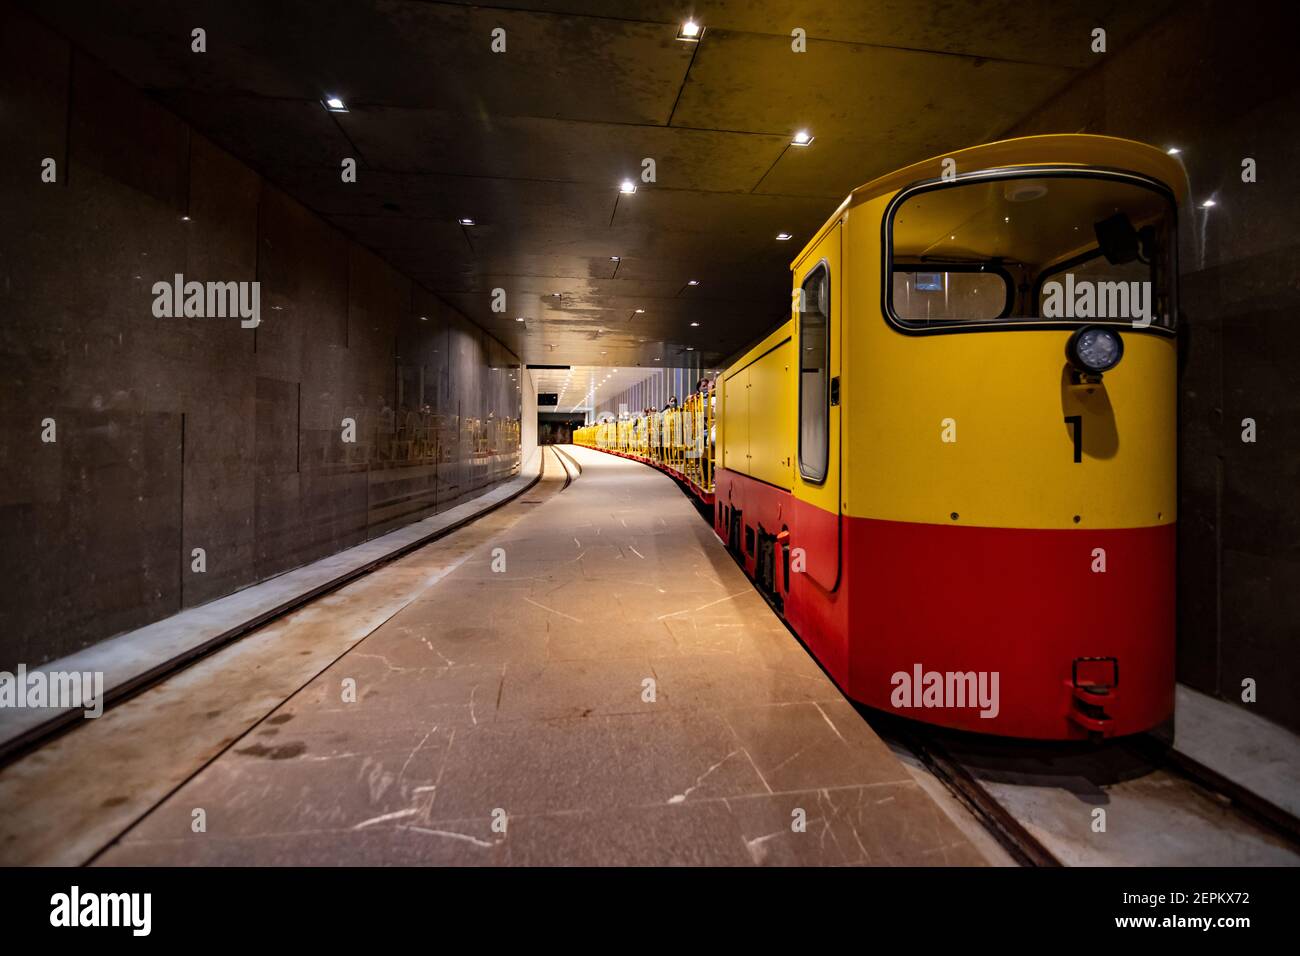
point(995, 630)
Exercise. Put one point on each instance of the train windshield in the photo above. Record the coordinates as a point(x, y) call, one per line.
point(1058, 249)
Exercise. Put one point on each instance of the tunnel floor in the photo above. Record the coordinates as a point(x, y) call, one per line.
point(596, 682)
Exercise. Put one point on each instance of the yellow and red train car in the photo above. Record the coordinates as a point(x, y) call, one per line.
point(953, 468)
point(677, 440)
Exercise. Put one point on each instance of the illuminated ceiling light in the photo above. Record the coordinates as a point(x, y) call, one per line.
point(424, 318)
point(1208, 203)
point(465, 221)
point(802, 138)
point(520, 319)
point(639, 311)
point(693, 282)
point(690, 31)
point(556, 295)
point(185, 218)
point(1173, 151)
point(627, 187)
point(615, 259)
point(1006, 218)
point(334, 104)
point(690, 348)
point(695, 325)
point(783, 237)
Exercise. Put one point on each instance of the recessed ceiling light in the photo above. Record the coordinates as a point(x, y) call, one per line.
point(693, 282)
point(1173, 151)
point(690, 348)
point(627, 187)
point(802, 138)
point(695, 325)
point(690, 31)
point(639, 311)
point(185, 218)
point(1208, 203)
point(424, 318)
point(783, 236)
point(465, 221)
point(614, 259)
point(334, 104)
point(520, 319)
point(556, 295)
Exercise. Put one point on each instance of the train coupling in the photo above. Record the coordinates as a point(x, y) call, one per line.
point(1094, 685)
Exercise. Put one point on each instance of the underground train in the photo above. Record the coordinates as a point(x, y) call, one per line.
point(952, 470)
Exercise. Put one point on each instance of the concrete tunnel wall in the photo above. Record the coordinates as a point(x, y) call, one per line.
point(181, 433)
point(1203, 82)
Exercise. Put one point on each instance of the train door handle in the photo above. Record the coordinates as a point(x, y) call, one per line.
point(835, 390)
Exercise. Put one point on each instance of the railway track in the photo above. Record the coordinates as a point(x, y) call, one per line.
point(962, 762)
point(1025, 848)
point(565, 460)
point(1261, 812)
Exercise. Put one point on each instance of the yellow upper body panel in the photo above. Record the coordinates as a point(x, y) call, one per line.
point(976, 423)
point(975, 428)
point(756, 424)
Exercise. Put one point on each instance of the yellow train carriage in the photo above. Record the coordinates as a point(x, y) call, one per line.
point(678, 440)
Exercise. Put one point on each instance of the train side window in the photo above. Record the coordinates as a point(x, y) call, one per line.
point(814, 378)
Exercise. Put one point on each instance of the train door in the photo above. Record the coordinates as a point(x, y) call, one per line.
point(817, 475)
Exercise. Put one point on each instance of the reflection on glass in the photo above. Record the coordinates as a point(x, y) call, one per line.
point(1062, 249)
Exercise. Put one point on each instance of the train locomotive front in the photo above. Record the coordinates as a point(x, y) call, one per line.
point(953, 468)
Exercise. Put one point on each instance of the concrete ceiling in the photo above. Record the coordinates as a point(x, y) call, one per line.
point(580, 387)
point(532, 143)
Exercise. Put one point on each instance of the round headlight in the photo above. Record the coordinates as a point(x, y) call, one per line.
point(1095, 349)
